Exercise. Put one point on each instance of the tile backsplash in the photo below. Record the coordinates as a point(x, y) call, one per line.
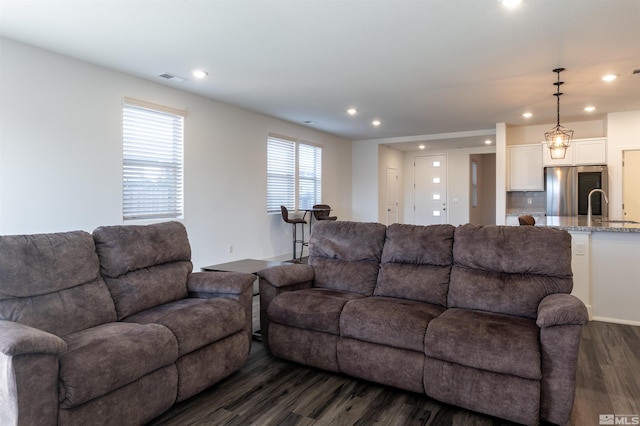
point(526, 202)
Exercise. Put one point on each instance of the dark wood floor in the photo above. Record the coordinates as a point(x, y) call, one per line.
point(270, 391)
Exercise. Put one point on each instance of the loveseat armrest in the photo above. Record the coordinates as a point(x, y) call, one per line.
point(561, 309)
point(287, 275)
point(215, 283)
point(276, 280)
point(19, 339)
point(232, 285)
point(29, 383)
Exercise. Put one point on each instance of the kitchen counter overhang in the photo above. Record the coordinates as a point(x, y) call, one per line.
point(579, 223)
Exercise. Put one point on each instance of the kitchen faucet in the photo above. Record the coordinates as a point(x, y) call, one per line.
point(589, 202)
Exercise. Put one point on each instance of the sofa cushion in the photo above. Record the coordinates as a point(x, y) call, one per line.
point(487, 341)
point(52, 282)
point(146, 288)
point(101, 359)
point(311, 309)
point(388, 321)
point(126, 248)
point(195, 322)
point(523, 265)
point(144, 265)
point(346, 255)
point(416, 263)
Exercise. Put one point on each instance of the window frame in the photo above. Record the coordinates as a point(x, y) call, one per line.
point(298, 174)
point(152, 161)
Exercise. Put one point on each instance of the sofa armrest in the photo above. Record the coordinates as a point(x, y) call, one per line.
point(561, 309)
point(29, 383)
point(286, 275)
point(19, 339)
point(276, 280)
point(560, 318)
point(232, 285)
point(219, 283)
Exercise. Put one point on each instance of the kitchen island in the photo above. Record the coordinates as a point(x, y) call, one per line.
point(606, 266)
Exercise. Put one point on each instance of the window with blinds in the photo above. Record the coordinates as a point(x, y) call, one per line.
point(294, 174)
point(152, 165)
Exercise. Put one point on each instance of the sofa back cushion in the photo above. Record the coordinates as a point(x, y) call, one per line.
point(416, 263)
point(144, 265)
point(52, 282)
point(509, 269)
point(346, 255)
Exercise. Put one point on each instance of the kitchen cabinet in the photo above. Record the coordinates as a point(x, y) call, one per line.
point(525, 168)
point(580, 152)
point(590, 151)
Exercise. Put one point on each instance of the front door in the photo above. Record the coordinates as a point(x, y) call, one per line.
point(430, 189)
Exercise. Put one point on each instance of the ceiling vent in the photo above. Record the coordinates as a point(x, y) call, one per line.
point(172, 77)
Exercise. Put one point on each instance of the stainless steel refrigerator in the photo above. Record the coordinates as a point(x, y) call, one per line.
point(567, 190)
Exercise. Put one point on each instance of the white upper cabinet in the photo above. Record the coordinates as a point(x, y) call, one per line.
point(580, 152)
point(525, 168)
point(590, 151)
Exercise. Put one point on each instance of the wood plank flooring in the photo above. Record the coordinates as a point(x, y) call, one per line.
point(270, 391)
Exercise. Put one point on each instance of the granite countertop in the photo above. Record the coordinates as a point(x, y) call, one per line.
point(579, 223)
point(515, 212)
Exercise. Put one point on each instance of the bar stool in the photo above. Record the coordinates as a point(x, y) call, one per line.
point(321, 212)
point(526, 220)
point(295, 221)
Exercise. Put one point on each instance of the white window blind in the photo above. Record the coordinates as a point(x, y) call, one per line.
point(152, 167)
point(309, 176)
point(294, 174)
point(281, 174)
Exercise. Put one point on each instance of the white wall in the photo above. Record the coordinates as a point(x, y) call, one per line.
point(364, 185)
point(520, 135)
point(61, 155)
point(623, 132)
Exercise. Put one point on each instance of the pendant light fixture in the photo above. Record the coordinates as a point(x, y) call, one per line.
point(559, 138)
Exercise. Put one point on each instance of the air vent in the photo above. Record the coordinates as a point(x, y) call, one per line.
point(172, 77)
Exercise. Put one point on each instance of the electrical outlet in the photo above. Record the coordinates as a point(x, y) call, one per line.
point(529, 200)
point(230, 248)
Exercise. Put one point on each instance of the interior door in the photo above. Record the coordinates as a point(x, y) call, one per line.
point(631, 184)
point(392, 196)
point(430, 189)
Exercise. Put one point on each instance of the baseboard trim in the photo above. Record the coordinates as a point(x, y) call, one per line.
point(589, 312)
point(616, 320)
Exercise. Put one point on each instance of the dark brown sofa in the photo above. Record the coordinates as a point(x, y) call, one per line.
point(114, 328)
point(479, 317)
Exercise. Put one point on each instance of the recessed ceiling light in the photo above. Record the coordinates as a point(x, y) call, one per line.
point(609, 77)
point(376, 122)
point(590, 108)
point(422, 147)
point(199, 73)
point(352, 111)
point(488, 142)
point(511, 4)
point(527, 115)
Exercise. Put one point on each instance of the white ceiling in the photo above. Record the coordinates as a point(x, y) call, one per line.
point(425, 67)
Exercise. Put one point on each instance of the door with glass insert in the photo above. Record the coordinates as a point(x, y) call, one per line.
point(430, 189)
